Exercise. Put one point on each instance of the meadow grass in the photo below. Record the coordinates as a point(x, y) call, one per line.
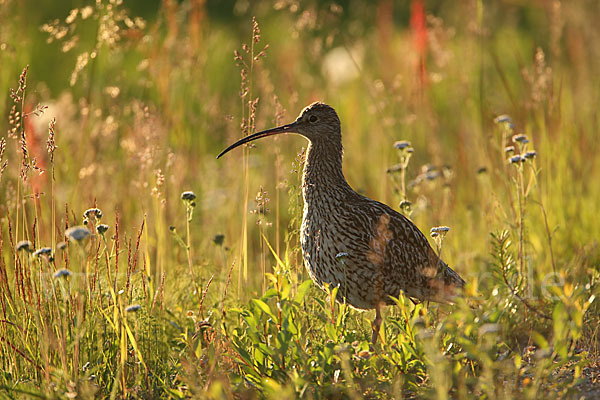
point(135, 264)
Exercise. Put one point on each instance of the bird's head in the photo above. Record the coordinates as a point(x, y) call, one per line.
point(318, 122)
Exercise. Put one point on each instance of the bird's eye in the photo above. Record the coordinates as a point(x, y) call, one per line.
point(313, 118)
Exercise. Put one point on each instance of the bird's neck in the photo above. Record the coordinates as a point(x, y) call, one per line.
point(323, 168)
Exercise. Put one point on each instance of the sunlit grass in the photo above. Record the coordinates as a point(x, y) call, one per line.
point(133, 263)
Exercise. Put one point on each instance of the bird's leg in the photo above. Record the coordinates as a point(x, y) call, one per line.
point(376, 325)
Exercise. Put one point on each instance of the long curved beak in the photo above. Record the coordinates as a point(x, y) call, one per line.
point(269, 132)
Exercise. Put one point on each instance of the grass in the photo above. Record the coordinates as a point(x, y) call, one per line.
point(134, 264)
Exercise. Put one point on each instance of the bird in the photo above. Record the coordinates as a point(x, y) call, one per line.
point(366, 248)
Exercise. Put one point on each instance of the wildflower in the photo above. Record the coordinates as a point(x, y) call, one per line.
point(502, 118)
point(516, 159)
point(44, 251)
point(402, 144)
point(440, 229)
point(405, 204)
point(188, 196)
point(521, 138)
point(24, 245)
point(61, 245)
point(77, 233)
point(102, 228)
point(218, 239)
point(395, 168)
point(62, 272)
point(92, 212)
point(133, 308)
point(431, 175)
point(530, 154)
point(509, 149)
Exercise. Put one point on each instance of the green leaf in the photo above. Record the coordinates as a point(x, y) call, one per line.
point(266, 350)
point(264, 307)
point(302, 290)
point(331, 332)
point(540, 340)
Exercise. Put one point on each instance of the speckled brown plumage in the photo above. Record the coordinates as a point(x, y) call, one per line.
point(371, 251)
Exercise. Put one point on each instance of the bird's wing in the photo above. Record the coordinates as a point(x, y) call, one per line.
point(406, 259)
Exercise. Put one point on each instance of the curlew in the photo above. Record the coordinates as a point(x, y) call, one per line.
point(384, 253)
